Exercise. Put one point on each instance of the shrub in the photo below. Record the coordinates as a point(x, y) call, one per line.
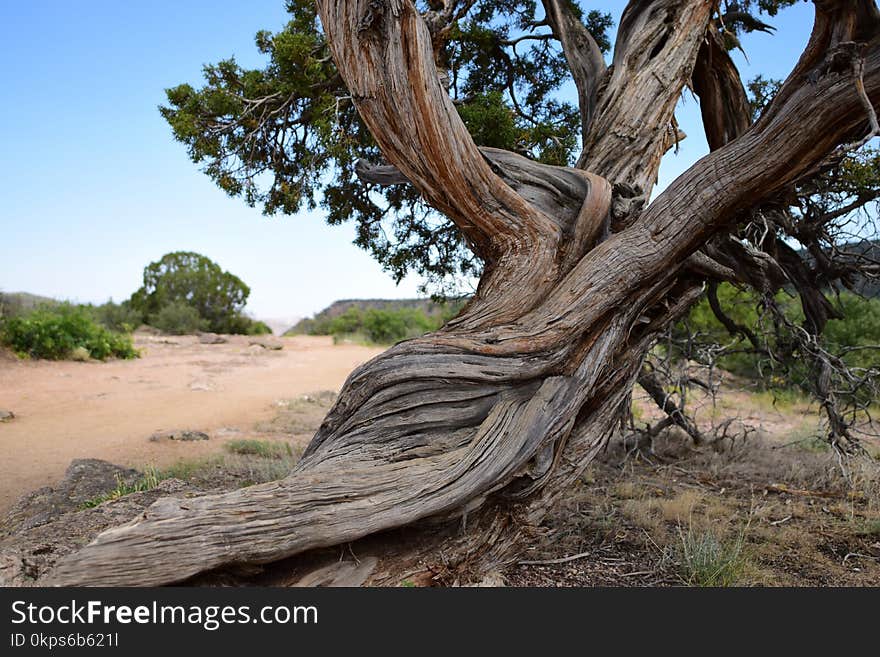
point(852, 337)
point(379, 326)
point(119, 317)
point(262, 448)
point(857, 332)
point(56, 333)
point(178, 318)
point(258, 328)
point(243, 325)
point(148, 481)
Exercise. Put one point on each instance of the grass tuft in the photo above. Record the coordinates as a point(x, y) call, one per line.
point(706, 560)
point(149, 480)
point(263, 448)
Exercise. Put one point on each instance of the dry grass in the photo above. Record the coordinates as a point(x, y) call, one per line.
point(777, 510)
point(299, 416)
point(266, 449)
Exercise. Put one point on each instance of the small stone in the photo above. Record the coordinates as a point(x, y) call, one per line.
point(186, 435)
point(6, 416)
point(267, 343)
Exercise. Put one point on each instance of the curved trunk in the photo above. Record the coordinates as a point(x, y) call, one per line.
point(506, 405)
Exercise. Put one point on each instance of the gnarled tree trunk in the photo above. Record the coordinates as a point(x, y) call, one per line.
point(495, 414)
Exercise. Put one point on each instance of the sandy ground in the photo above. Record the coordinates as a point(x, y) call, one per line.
point(67, 410)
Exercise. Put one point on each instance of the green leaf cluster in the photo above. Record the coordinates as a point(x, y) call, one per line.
point(55, 333)
point(286, 137)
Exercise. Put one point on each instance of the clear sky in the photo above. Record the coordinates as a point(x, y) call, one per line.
point(93, 187)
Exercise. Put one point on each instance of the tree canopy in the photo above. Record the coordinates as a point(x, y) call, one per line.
point(191, 280)
point(288, 137)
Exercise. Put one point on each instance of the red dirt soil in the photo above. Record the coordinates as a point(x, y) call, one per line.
point(66, 410)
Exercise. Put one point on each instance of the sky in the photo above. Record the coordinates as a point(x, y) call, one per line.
point(93, 187)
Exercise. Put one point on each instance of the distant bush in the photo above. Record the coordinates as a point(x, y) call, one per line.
point(119, 317)
point(379, 326)
point(856, 334)
point(62, 332)
point(258, 328)
point(177, 318)
point(243, 325)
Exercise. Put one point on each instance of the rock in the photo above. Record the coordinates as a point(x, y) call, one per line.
point(144, 329)
point(267, 342)
point(211, 338)
point(180, 434)
point(30, 546)
point(201, 386)
point(6, 416)
point(84, 480)
point(344, 573)
point(492, 579)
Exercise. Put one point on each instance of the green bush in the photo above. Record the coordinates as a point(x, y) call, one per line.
point(178, 318)
point(119, 317)
point(258, 328)
point(379, 326)
point(856, 332)
point(56, 333)
point(243, 325)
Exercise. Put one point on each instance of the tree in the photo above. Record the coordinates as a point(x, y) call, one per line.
point(189, 279)
point(485, 422)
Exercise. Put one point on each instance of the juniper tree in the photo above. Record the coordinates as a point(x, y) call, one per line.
point(442, 129)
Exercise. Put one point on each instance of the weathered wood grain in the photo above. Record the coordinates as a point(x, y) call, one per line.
point(496, 413)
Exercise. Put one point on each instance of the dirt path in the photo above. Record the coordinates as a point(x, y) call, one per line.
point(67, 410)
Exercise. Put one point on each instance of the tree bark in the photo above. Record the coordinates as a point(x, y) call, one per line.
point(495, 414)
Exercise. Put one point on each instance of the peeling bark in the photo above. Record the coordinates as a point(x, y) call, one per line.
point(585, 60)
point(493, 416)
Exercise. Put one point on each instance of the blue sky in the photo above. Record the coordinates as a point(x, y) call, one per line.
point(93, 186)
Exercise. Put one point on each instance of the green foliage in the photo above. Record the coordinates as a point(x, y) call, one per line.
point(852, 338)
point(761, 91)
point(185, 279)
point(375, 325)
point(57, 332)
point(118, 317)
point(287, 136)
point(263, 448)
point(744, 308)
point(870, 528)
point(178, 318)
point(258, 328)
point(147, 481)
point(857, 335)
point(21, 303)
